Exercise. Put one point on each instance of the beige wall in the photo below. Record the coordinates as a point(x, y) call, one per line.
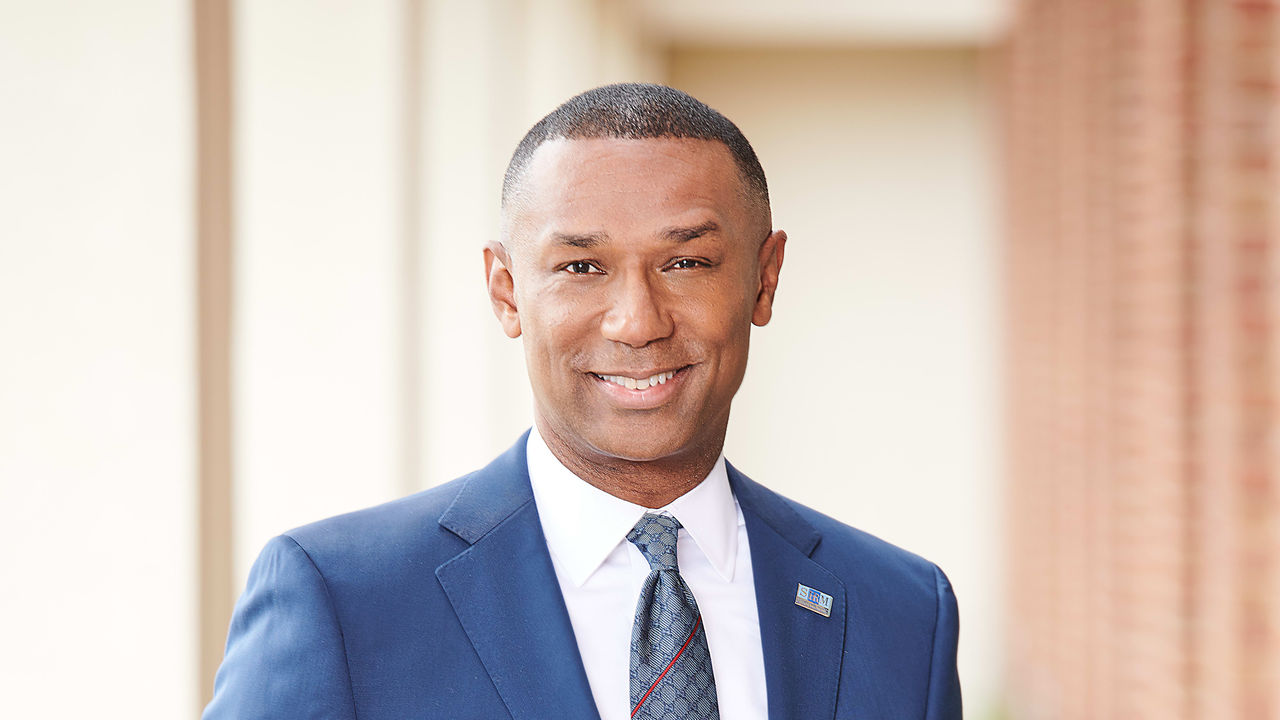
point(871, 395)
point(97, 429)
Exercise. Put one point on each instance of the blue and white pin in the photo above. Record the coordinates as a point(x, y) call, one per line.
point(815, 600)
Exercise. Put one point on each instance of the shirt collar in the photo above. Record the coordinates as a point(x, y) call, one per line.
point(583, 524)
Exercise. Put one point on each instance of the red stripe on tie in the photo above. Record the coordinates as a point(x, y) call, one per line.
point(664, 672)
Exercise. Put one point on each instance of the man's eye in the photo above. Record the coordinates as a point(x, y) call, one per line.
point(687, 264)
point(581, 267)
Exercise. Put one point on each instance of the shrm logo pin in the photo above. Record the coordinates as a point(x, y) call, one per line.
point(819, 602)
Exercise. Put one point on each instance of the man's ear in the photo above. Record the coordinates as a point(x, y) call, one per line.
point(502, 288)
point(770, 264)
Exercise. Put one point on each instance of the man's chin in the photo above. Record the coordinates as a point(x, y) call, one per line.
point(648, 446)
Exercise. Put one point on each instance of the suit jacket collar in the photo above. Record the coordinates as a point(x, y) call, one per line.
point(774, 511)
point(803, 650)
point(504, 590)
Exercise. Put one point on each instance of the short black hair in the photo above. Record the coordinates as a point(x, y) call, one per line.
point(638, 111)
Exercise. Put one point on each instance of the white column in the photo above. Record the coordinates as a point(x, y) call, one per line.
point(473, 397)
point(97, 417)
point(318, 252)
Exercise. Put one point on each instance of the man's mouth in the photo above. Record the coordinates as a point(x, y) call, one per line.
point(642, 388)
point(644, 383)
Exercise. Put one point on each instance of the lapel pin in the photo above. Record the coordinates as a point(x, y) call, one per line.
point(819, 602)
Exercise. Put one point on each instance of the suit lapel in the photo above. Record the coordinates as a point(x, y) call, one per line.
point(802, 649)
point(505, 593)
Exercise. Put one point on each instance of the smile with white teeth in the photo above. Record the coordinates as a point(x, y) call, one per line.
point(641, 384)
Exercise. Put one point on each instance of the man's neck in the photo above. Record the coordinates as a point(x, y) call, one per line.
point(651, 483)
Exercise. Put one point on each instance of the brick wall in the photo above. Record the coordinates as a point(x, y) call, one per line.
point(1142, 142)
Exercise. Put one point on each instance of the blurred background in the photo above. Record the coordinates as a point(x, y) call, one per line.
point(1027, 325)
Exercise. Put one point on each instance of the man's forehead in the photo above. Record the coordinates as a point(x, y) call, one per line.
point(560, 157)
point(584, 185)
point(636, 185)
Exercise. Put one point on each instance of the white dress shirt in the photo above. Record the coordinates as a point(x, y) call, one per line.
point(601, 574)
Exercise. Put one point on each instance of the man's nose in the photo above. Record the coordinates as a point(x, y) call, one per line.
point(636, 315)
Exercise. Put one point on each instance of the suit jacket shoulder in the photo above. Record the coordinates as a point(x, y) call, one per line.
point(442, 604)
point(383, 542)
point(851, 552)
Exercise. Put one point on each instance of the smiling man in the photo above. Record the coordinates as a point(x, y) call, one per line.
point(611, 564)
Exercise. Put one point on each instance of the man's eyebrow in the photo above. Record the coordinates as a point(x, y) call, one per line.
point(584, 241)
point(686, 234)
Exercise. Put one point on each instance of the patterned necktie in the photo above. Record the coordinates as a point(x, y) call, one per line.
point(671, 676)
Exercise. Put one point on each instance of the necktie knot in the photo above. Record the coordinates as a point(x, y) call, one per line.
point(655, 536)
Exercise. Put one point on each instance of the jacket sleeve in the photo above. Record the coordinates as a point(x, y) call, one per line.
point(285, 657)
point(944, 679)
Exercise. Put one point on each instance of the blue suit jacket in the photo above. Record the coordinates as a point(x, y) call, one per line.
point(445, 604)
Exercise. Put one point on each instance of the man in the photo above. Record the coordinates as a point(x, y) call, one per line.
point(611, 564)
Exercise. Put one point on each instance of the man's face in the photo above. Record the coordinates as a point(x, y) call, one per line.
point(634, 270)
